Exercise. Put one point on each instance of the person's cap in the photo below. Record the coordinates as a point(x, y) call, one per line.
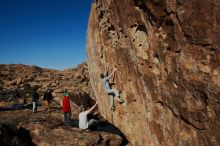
point(65, 93)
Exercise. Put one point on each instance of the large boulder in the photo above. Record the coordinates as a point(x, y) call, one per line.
point(167, 55)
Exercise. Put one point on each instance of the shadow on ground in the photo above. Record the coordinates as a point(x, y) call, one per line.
point(103, 126)
point(11, 136)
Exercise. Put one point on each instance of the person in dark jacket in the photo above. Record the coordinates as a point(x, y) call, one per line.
point(35, 98)
point(47, 99)
point(66, 108)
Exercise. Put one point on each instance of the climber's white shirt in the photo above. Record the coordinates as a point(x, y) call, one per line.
point(83, 120)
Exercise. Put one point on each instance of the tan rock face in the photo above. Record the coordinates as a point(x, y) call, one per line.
point(168, 68)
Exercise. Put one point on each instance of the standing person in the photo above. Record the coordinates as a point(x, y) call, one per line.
point(84, 123)
point(35, 98)
point(66, 108)
point(109, 90)
point(47, 99)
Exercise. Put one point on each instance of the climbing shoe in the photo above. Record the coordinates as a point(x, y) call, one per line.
point(113, 108)
point(121, 101)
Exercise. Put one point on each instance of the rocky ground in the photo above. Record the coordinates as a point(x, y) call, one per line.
point(44, 128)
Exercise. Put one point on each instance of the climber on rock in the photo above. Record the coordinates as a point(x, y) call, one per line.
point(109, 90)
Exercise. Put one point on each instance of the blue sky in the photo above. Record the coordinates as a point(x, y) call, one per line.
point(46, 33)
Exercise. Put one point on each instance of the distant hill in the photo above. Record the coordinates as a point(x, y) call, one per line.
point(26, 77)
